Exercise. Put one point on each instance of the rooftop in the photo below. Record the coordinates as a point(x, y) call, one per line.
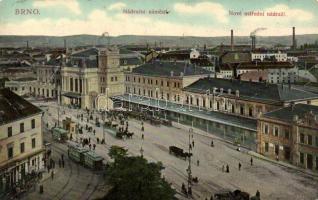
point(257, 91)
point(236, 121)
point(86, 53)
point(265, 65)
point(160, 68)
point(287, 114)
point(14, 107)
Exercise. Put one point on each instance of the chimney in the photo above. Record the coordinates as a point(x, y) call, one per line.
point(64, 43)
point(232, 40)
point(27, 44)
point(294, 39)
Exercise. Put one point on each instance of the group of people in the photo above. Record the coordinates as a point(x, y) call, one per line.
point(227, 170)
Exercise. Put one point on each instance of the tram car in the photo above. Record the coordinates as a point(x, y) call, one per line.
point(59, 134)
point(76, 152)
point(92, 160)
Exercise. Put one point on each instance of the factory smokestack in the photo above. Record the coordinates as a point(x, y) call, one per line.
point(294, 39)
point(232, 40)
point(64, 43)
point(27, 44)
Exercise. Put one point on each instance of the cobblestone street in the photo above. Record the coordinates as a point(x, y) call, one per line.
point(267, 177)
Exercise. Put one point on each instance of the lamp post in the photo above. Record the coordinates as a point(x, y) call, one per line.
point(189, 164)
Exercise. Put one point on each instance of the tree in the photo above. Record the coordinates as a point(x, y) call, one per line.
point(117, 152)
point(134, 178)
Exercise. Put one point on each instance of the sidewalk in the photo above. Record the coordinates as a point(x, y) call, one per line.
point(245, 150)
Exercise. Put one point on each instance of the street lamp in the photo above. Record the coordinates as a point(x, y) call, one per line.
point(189, 165)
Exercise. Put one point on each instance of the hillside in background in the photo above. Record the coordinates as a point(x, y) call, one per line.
point(79, 40)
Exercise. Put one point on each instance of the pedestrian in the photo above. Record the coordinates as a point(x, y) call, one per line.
point(90, 146)
point(198, 162)
point(60, 163)
point(48, 168)
point(227, 169)
point(258, 195)
point(142, 136)
point(190, 146)
point(62, 156)
point(142, 128)
point(63, 163)
point(89, 140)
point(94, 146)
point(192, 143)
point(52, 174)
point(240, 166)
point(212, 144)
point(251, 161)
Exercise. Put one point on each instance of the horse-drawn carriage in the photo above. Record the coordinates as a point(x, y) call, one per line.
point(124, 133)
point(155, 121)
point(179, 152)
point(166, 122)
point(228, 195)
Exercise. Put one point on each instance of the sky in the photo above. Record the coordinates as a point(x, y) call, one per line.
point(183, 17)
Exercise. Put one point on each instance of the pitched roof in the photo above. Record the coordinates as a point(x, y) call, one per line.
point(86, 53)
point(160, 68)
point(252, 90)
point(264, 65)
point(287, 113)
point(14, 107)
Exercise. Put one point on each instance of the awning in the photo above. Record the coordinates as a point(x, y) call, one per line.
point(72, 95)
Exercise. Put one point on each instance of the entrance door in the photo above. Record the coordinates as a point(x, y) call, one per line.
point(309, 161)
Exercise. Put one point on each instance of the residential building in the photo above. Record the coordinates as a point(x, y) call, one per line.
point(162, 79)
point(269, 56)
point(243, 98)
point(21, 140)
point(22, 86)
point(290, 134)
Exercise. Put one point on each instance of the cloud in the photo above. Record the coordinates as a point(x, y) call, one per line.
point(299, 18)
point(98, 21)
point(204, 8)
point(71, 5)
point(117, 6)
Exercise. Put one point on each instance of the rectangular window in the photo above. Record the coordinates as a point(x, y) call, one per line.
point(22, 147)
point(21, 127)
point(10, 152)
point(286, 133)
point(316, 141)
point(302, 138)
point(250, 112)
point(266, 128)
point(316, 162)
point(10, 132)
point(71, 84)
point(301, 158)
point(266, 147)
point(276, 131)
point(33, 123)
point(309, 137)
point(33, 143)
